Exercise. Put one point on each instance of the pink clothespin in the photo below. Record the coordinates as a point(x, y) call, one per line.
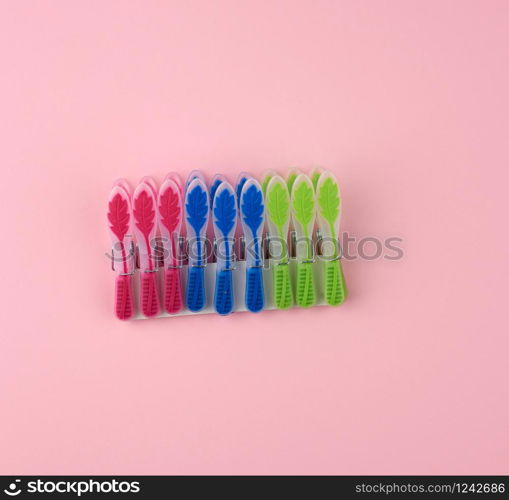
point(170, 223)
point(119, 218)
point(145, 230)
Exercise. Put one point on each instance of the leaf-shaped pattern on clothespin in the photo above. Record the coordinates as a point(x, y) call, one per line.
point(290, 180)
point(315, 177)
point(197, 208)
point(328, 200)
point(143, 211)
point(118, 216)
point(213, 189)
point(170, 209)
point(252, 208)
point(303, 204)
point(278, 204)
point(225, 211)
point(239, 187)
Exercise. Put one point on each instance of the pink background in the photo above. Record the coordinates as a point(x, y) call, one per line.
point(406, 101)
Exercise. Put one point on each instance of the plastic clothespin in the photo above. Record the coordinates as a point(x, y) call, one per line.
point(329, 211)
point(277, 203)
point(123, 262)
point(303, 215)
point(196, 210)
point(170, 221)
point(252, 212)
point(224, 218)
point(145, 229)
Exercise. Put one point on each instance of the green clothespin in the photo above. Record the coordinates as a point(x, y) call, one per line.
point(278, 219)
point(303, 213)
point(329, 211)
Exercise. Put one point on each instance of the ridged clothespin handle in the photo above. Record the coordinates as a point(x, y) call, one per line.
point(124, 301)
point(283, 296)
point(149, 297)
point(255, 295)
point(172, 291)
point(223, 295)
point(306, 291)
point(334, 285)
point(196, 289)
